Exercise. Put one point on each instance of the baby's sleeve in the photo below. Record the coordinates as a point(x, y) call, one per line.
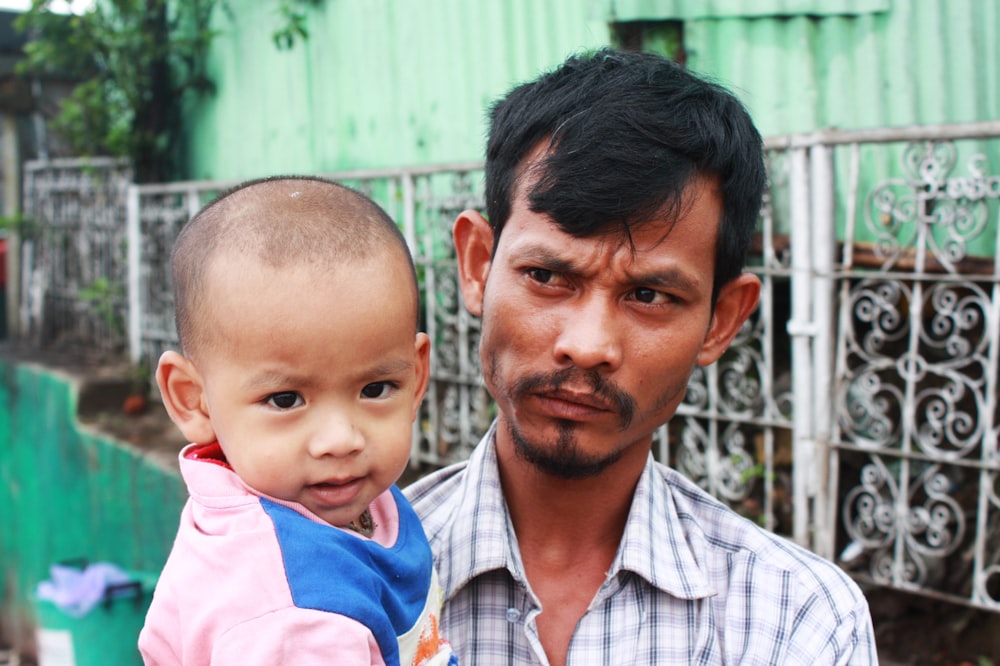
point(297, 636)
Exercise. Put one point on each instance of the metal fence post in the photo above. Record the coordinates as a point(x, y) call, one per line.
point(824, 240)
point(801, 328)
point(134, 272)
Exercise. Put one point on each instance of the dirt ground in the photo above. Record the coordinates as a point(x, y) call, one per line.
point(910, 629)
point(917, 631)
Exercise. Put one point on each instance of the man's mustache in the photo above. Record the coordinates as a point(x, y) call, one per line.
point(616, 399)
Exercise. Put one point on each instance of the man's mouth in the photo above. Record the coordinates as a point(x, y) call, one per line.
point(582, 398)
point(571, 405)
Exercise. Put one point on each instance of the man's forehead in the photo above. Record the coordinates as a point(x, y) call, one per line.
point(527, 229)
point(671, 210)
point(542, 240)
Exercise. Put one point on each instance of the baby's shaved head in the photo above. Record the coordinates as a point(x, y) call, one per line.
point(280, 221)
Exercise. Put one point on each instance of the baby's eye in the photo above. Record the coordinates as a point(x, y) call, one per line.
point(285, 400)
point(377, 390)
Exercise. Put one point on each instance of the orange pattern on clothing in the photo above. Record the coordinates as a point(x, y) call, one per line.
point(430, 642)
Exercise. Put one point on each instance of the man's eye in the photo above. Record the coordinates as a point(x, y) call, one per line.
point(647, 295)
point(285, 400)
point(376, 390)
point(541, 275)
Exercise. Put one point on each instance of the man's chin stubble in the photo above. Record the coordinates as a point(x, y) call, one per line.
point(561, 460)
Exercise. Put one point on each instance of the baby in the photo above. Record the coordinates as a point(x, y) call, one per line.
point(301, 375)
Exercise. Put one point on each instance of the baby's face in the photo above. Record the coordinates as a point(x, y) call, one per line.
point(314, 379)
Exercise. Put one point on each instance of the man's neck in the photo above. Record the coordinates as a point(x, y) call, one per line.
point(568, 532)
point(568, 514)
point(555, 510)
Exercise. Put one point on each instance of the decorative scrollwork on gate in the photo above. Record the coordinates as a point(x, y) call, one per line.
point(727, 468)
point(908, 538)
point(870, 417)
point(925, 346)
point(926, 216)
point(918, 383)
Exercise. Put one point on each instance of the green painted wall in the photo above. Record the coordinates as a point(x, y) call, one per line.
point(880, 63)
point(66, 493)
point(802, 65)
point(378, 83)
point(386, 83)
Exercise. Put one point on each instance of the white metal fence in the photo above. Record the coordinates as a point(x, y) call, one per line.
point(72, 256)
point(856, 411)
point(905, 336)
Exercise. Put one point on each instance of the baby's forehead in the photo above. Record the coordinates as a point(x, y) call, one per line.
point(236, 283)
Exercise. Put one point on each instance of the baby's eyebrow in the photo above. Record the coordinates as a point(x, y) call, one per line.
point(391, 367)
point(270, 380)
point(273, 379)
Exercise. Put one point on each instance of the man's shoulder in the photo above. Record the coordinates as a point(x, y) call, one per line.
point(727, 538)
point(431, 492)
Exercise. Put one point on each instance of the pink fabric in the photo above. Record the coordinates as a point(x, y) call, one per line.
point(222, 597)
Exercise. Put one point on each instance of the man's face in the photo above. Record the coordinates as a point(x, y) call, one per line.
point(588, 343)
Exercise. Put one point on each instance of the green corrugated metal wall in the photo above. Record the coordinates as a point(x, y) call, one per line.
point(378, 83)
point(865, 64)
point(917, 62)
point(384, 83)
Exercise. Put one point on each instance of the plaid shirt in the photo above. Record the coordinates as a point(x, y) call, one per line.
point(692, 583)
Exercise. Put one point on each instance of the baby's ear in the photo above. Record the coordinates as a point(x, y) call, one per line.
point(422, 347)
point(182, 391)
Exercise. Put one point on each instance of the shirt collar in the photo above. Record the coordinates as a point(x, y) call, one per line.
point(480, 538)
point(654, 546)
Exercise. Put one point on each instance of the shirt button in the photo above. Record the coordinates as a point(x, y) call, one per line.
point(513, 615)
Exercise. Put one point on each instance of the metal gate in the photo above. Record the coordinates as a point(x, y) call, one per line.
point(895, 323)
point(71, 254)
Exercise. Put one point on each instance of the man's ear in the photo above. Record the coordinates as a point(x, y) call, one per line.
point(422, 346)
point(737, 300)
point(474, 249)
point(182, 392)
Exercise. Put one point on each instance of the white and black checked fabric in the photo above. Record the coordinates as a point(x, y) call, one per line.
point(693, 582)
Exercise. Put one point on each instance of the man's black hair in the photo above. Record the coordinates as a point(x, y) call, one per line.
point(624, 133)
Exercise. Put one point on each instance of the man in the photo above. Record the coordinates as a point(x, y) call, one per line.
point(621, 192)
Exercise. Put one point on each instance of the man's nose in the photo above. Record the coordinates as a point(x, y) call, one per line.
point(590, 335)
point(337, 435)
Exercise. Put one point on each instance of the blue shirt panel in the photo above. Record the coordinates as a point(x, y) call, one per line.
point(330, 570)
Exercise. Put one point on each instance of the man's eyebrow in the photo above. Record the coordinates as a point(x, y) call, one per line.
point(669, 278)
point(549, 259)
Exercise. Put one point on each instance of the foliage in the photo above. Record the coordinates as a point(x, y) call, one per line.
point(18, 223)
point(103, 295)
point(293, 22)
point(133, 62)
